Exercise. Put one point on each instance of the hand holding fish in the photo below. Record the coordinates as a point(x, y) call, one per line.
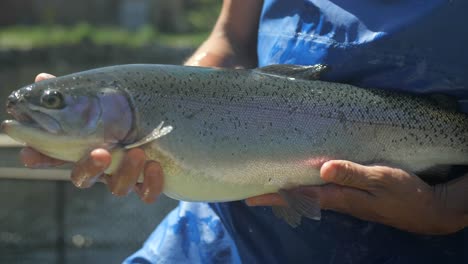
point(91, 169)
point(386, 195)
point(260, 133)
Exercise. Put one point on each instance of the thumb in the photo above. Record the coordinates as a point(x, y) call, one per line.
point(346, 173)
point(43, 76)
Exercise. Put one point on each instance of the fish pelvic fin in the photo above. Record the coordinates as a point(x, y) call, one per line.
point(299, 205)
point(291, 216)
point(306, 72)
point(158, 132)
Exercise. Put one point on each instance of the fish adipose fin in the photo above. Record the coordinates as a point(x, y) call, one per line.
point(155, 134)
point(309, 72)
point(299, 204)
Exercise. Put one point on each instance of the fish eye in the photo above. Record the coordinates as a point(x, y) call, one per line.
point(52, 99)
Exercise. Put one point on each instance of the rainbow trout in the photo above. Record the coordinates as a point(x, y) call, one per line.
point(225, 135)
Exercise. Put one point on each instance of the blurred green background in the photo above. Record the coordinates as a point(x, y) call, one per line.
point(134, 23)
point(51, 221)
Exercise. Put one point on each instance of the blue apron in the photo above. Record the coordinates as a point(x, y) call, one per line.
point(410, 45)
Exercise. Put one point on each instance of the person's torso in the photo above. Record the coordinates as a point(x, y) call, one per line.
point(411, 45)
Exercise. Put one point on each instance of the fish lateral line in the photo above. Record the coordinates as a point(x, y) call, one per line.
point(158, 132)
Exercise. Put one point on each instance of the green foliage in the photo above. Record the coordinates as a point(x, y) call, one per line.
point(202, 14)
point(198, 16)
point(25, 37)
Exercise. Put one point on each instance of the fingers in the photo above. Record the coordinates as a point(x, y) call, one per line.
point(88, 170)
point(349, 174)
point(125, 178)
point(342, 199)
point(269, 199)
point(33, 159)
point(331, 197)
point(368, 178)
point(43, 76)
point(340, 172)
point(153, 182)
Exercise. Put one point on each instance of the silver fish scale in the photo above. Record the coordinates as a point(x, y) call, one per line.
point(240, 133)
point(233, 118)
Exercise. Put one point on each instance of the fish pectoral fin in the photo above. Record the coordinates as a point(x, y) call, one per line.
point(299, 205)
point(307, 72)
point(155, 134)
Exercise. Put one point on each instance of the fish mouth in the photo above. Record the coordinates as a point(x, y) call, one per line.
point(32, 120)
point(21, 117)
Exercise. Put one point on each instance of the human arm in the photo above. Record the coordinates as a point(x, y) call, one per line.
point(233, 41)
point(389, 196)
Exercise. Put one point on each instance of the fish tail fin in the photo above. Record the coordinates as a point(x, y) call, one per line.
point(299, 205)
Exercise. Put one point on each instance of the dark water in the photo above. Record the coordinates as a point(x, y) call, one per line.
point(54, 222)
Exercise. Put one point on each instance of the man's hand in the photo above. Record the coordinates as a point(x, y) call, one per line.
point(91, 169)
point(382, 194)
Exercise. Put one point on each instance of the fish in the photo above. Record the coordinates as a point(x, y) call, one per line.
point(229, 134)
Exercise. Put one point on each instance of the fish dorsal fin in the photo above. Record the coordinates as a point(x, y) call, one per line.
point(444, 101)
point(155, 134)
point(306, 72)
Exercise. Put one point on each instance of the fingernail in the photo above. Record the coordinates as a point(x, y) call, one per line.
point(26, 151)
point(46, 76)
point(96, 160)
point(79, 182)
point(84, 180)
point(26, 154)
point(328, 171)
point(146, 193)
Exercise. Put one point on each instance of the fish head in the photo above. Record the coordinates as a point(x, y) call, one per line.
point(66, 116)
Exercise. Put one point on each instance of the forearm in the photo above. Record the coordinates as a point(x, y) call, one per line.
point(233, 40)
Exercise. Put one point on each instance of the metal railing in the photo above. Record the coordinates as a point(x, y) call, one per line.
point(43, 218)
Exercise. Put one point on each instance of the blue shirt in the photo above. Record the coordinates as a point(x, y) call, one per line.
point(410, 45)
